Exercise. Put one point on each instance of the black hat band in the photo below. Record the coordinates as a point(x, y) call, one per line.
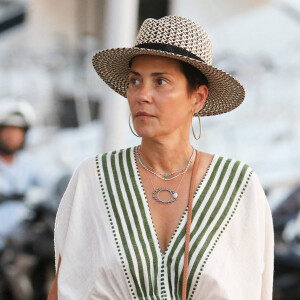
point(170, 49)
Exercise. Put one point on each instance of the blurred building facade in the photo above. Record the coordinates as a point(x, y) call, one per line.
point(43, 59)
point(46, 59)
point(259, 43)
point(213, 12)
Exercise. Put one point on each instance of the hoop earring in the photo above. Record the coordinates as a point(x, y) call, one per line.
point(199, 126)
point(131, 127)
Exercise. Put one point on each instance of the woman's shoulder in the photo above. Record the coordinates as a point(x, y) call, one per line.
point(237, 171)
point(85, 167)
point(230, 175)
point(223, 161)
point(231, 170)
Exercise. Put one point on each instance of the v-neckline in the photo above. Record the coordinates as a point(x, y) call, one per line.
point(183, 216)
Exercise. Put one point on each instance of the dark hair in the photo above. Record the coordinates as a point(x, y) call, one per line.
point(194, 77)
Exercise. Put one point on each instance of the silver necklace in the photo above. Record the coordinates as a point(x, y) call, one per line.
point(161, 176)
point(173, 193)
point(165, 176)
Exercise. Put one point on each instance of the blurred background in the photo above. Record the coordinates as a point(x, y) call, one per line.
point(49, 88)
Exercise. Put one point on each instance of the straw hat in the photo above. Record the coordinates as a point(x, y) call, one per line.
point(177, 38)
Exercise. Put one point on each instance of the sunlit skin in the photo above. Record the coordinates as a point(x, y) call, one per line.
point(157, 87)
point(12, 139)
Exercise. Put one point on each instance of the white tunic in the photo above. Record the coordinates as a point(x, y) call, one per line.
point(105, 236)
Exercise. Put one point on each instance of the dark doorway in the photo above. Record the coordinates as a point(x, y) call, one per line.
point(152, 9)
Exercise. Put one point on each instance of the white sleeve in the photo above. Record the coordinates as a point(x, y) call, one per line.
point(63, 217)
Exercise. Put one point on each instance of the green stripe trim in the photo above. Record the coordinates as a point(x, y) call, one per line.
point(213, 216)
point(144, 217)
point(119, 224)
point(221, 219)
point(111, 222)
point(211, 200)
point(141, 254)
point(136, 220)
point(178, 284)
point(209, 204)
point(122, 212)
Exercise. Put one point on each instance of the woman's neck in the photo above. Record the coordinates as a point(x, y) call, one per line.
point(166, 156)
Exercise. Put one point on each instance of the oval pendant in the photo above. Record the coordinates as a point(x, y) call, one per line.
point(173, 195)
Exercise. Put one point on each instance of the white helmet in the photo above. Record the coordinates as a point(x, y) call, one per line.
point(16, 113)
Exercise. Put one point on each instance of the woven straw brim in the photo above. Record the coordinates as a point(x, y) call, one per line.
point(225, 92)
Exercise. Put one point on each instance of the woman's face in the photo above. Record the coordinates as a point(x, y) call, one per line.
point(158, 97)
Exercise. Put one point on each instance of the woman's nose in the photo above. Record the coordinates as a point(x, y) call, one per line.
point(144, 93)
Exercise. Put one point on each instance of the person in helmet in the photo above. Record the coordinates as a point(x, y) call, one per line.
point(17, 172)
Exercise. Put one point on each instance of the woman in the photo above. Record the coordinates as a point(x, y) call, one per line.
point(162, 220)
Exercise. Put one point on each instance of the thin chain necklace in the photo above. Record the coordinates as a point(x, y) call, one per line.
point(148, 167)
point(165, 176)
point(173, 193)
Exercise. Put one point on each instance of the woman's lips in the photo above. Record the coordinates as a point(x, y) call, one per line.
point(143, 115)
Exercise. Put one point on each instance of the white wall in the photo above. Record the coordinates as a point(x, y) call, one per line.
point(209, 12)
point(68, 19)
point(259, 43)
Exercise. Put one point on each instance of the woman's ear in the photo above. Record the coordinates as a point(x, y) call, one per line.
point(200, 96)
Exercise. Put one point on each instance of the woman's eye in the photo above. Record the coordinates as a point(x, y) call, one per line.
point(133, 81)
point(161, 81)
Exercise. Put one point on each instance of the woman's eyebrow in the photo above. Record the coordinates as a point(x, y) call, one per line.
point(158, 73)
point(152, 74)
point(135, 73)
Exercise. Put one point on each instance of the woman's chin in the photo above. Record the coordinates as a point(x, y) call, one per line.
point(144, 133)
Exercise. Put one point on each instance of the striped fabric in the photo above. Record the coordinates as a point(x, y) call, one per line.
point(151, 274)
